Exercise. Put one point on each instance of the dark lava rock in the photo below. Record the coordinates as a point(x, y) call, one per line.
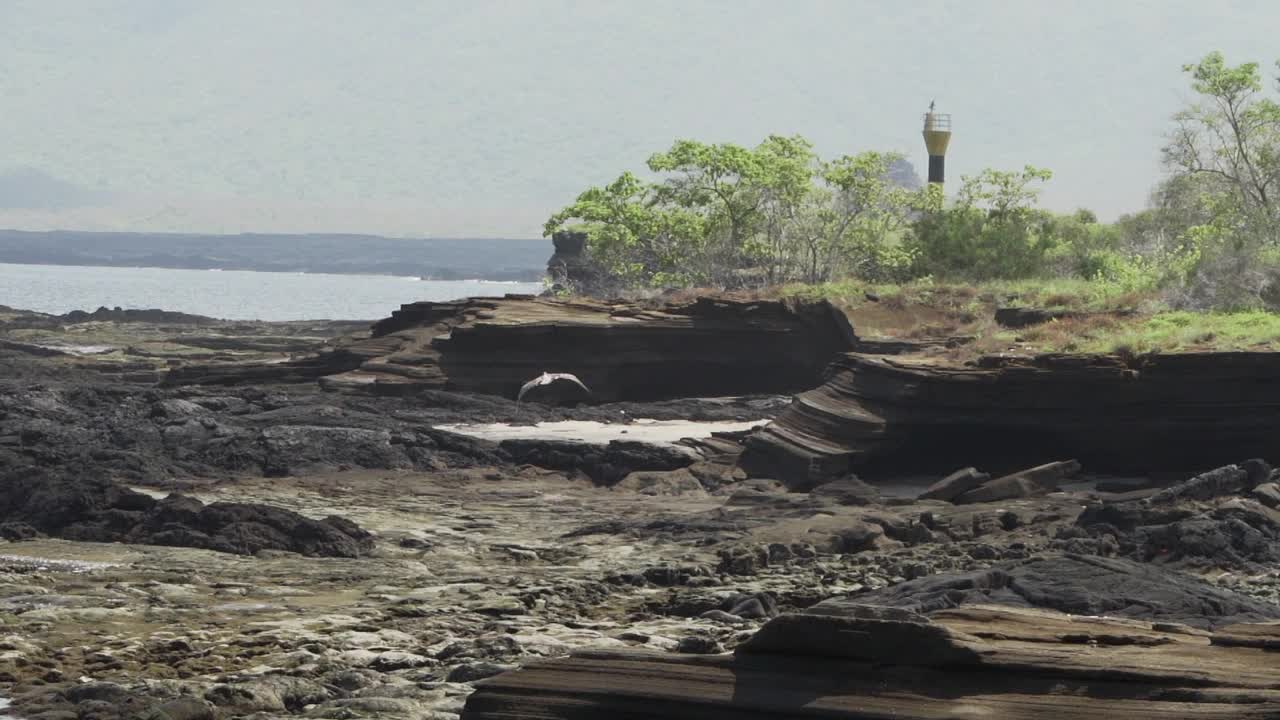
point(1020, 317)
point(17, 531)
point(1207, 520)
point(604, 464)
point(1227, 480)
point(470, 672)
point(1117, 415)
point(954, 485)
point(151, 436)
point(847, 491)
point(1031, 482)
point(743, 559)
point(1072, 584)
point(698, 645)
point(186, 708)
point(101, 691)
point(154, 316)
point(97, 510)
point(1268, 494)
point(751, 606)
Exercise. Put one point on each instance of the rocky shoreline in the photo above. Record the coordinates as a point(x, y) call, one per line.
point(237, 537)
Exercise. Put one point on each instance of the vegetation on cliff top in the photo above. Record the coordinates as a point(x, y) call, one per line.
point(1096, 317)
point(726, 216)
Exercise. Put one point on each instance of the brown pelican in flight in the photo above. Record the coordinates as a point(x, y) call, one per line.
point(557, 383)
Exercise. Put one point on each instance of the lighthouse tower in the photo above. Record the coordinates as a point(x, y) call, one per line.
point(937, 135)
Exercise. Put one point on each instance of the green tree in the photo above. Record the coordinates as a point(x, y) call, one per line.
point(631, 237)
point(1231, 138)
point(730, 216)
point(866, 211)
point(993, 230)
point(1223, 155)
point(720, 182)
point(785, 191)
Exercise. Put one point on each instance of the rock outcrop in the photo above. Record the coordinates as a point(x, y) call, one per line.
point(569, 268)
point(871, 663)
point(151, 436)
point(1075, 584)
point(1020, 317)
point(91, 509)
point(1211, 520)
point(622, 351)
point(1185, 412)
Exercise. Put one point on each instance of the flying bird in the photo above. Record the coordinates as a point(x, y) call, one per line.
point(548, 380)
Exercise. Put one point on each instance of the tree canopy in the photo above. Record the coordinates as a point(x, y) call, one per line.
point(726, 215)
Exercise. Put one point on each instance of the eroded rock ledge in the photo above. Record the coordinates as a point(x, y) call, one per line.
point(873, 662)
point(1182, 412)
point(622, 351)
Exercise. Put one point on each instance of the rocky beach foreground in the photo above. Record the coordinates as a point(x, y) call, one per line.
point(204, 519)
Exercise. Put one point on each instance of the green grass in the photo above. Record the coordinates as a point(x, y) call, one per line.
point(1187, 331)
point(1051, 294)
point(1151, 327)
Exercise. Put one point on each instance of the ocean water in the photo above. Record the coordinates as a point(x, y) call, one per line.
point(230, 294)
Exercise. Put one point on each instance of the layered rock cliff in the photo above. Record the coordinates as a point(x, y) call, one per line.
point(621, 351)
point(1162, 413)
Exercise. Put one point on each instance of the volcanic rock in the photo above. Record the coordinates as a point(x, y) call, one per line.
point(96, 510)
point(954, 485)
point(1078, 585)
point(1115, 415)
point(622, 351)
point(981, 661)
point(1020, 317)
point(604, 464)
point(1207, 520)
point(1227, 480)
point(846, 491)
point(673, 482)
point(151, 436)
point(1031, 482)
point(570, 270)
point(1268, 494)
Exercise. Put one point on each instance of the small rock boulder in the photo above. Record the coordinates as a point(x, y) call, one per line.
point(1039, 480)
point(847, 491)
point(1268, 494)
point(657, 482)
point(954, 485)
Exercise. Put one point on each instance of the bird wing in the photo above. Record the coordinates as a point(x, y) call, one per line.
point(529, 386)
point(573, 379)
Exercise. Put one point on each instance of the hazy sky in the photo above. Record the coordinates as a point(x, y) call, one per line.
point(420, 117)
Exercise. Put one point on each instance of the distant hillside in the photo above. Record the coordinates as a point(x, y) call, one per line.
point(441, 259)
point(28, 188)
